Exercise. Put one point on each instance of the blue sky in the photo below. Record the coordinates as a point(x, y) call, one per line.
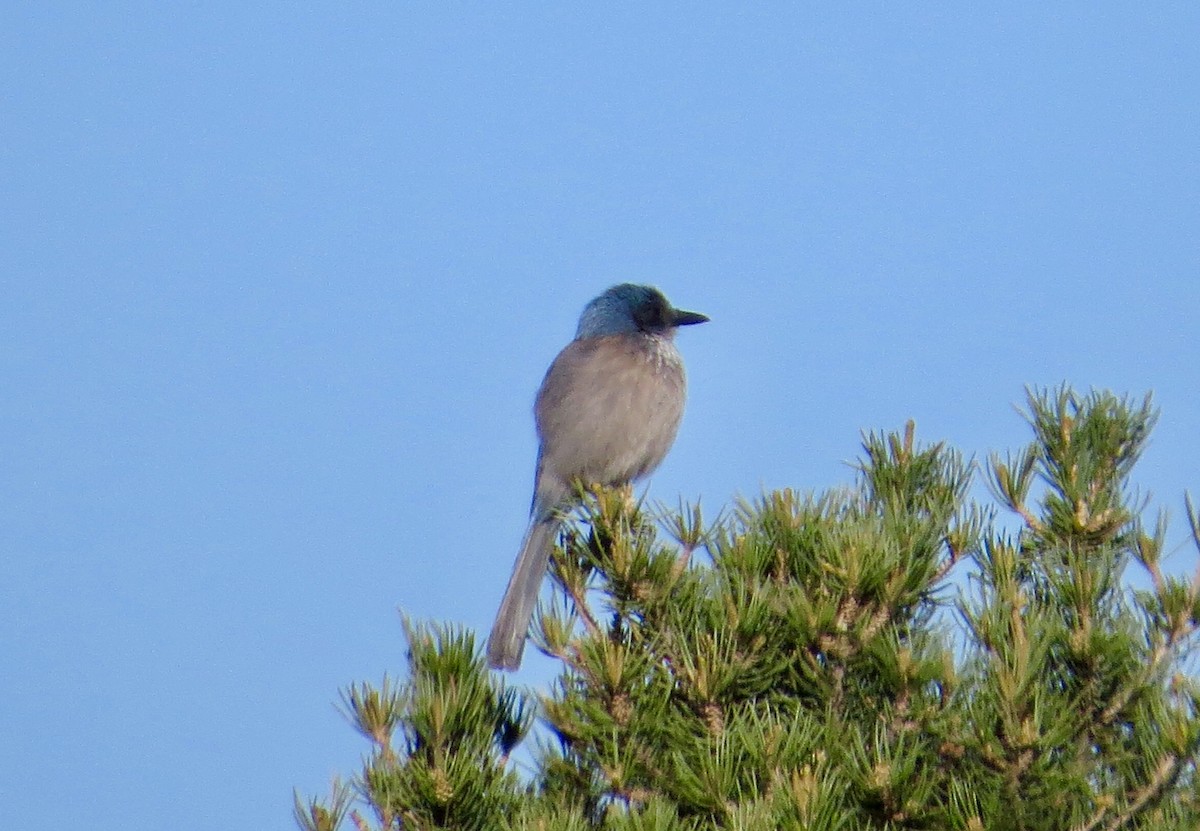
point(280, 281)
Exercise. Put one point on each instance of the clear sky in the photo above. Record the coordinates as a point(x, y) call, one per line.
point(280, 281)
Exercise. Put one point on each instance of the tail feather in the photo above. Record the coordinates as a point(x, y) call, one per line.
point(506, 643)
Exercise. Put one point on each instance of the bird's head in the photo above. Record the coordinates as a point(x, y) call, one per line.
point(633, 308)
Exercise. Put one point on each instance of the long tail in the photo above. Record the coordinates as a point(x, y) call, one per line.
point(507, 642)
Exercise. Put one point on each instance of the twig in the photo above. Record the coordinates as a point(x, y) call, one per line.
point(581, 606)
point(1168, 770)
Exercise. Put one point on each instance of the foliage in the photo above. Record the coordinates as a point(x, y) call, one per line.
point(884, 656)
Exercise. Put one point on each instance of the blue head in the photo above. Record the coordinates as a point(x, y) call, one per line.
point(632, 308)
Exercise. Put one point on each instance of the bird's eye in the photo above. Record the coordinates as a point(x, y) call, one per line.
point(652, 316)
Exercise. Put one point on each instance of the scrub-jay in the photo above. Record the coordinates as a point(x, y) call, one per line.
point(606, 413)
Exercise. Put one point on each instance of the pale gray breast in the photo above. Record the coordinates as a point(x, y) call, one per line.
point(609, 408)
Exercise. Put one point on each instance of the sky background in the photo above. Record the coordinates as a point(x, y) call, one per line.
point(279, 282)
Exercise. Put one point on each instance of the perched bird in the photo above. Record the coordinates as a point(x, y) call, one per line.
point(606, 413)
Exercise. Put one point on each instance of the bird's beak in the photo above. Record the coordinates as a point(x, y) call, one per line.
point(681, 318)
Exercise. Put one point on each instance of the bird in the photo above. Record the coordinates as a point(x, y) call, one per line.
point(606, 414)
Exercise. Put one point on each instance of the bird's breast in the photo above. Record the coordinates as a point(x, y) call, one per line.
point(609, 408)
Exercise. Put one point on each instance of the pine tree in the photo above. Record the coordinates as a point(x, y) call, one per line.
point(892, 655)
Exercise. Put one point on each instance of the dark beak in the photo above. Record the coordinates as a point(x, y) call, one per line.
point(682, 318)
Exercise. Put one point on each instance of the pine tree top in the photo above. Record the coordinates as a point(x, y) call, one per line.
point(882, 656)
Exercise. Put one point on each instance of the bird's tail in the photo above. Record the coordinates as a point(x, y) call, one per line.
point(507, 642)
